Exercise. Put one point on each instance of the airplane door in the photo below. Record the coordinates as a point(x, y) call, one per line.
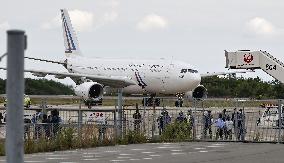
point(166, 78)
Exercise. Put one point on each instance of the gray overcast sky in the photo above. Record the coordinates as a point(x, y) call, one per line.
point(197, 32)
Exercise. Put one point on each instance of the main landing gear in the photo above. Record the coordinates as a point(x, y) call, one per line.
point(148, 101)
point(179, 101)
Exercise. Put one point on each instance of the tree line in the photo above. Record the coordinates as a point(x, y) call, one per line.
point(42, 87)
point(216, 86)
point(243, 88)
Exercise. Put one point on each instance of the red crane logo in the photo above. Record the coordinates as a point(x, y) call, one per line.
point(248, 58)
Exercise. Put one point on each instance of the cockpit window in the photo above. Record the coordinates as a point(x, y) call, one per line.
point(188, 70)
point(192, 71)
point(183, 71)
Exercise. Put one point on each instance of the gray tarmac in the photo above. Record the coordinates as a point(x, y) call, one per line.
point(192, 152)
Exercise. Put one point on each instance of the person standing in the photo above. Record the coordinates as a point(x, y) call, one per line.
point(55, 120)
point(181, 118)
point(207, 118)
point(163, 120)
point(241, 125)
point(137, 119)
point(46, 125)
point(235, 122)
point(229, 128)
point(36, 120)
point(190, 119)
point(220, 127)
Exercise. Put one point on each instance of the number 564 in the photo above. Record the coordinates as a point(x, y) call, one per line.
point(270, 67)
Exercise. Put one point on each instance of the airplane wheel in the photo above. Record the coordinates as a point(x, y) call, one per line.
point(149, 102)
point(178, 103)
point(157, 102)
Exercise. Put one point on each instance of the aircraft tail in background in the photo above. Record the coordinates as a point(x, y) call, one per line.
point(70, 38)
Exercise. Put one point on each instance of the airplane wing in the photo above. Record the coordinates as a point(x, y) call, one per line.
point(223, 73)
point(112, 81)
point(45, 60)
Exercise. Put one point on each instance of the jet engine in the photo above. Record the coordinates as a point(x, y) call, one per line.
point(89, 90)
point(199, 92)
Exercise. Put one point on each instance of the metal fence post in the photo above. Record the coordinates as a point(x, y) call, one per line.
point(15, 94)
point(154, 118)
point(279, 120)
point(194, 121)
point(80, 117)
point(115, 125)
point(43, 105)
point(144, 115)
point(119, 112)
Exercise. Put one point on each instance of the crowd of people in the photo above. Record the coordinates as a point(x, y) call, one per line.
point(226, 124)
point(43, 122)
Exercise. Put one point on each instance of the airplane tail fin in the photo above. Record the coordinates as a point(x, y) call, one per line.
point(70, 39)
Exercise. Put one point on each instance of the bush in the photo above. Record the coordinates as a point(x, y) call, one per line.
point(70, 138)
point(178, 131)
point(133, 137)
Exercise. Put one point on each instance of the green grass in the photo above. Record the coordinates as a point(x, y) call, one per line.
point(164, 102)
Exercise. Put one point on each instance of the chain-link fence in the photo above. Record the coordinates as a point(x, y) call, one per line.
point(238, 121)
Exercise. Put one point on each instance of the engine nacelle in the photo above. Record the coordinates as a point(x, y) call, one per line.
point(200, 92)
point(89, 90)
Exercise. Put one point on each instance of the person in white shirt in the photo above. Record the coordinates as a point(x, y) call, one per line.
point(220, 124)
point(229, 128)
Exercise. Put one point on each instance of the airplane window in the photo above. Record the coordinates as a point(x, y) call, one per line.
point(183, 71)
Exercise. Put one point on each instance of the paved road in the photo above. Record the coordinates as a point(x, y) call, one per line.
point(195, 152)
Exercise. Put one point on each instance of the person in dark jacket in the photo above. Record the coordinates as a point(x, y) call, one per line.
point(137, 119)
point(207, 118)
point(163, 120)
point(46, 125)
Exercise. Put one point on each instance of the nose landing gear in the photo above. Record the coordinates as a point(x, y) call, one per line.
point(149, 101)
point(179, 101)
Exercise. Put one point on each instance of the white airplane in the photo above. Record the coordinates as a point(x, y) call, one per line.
point(94, 75)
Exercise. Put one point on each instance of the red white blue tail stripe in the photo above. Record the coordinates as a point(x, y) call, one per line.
point(141, 83)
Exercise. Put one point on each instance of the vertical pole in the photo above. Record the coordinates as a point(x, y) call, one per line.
point(43, 103)
point(119, 112)
point(194, 120)
point(15, 94)
point(279, 120)
point(80, 117)
point(144, 115)
point(154, 117)
point(244, 129)
point(115, 125)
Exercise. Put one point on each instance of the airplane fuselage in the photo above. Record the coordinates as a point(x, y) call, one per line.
point(152, 76)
